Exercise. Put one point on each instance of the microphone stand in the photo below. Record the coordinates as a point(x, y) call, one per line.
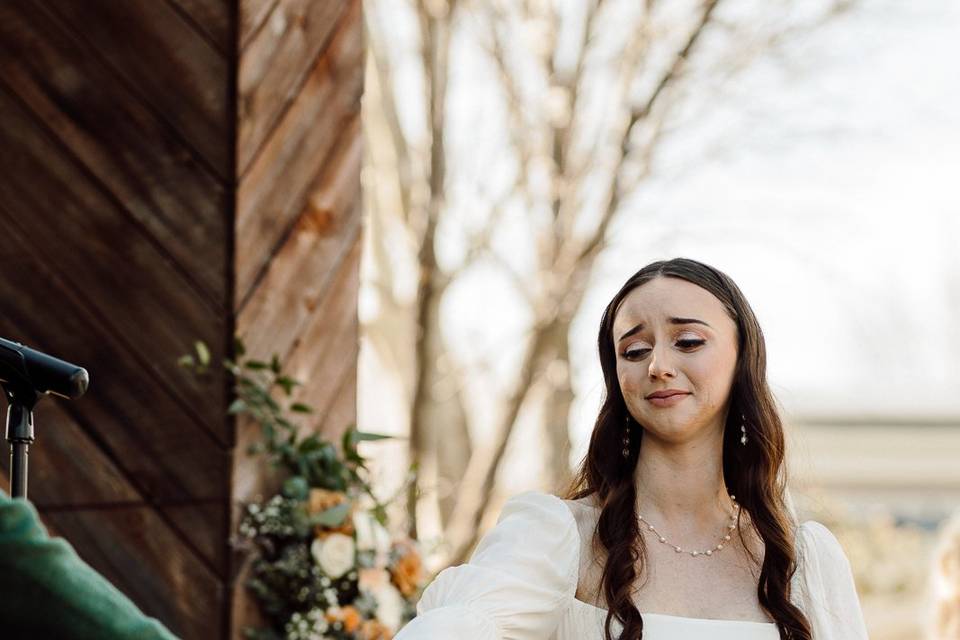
point(26, 375)
point(21, 400)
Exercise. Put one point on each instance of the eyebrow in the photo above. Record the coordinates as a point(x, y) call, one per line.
point(639, 327)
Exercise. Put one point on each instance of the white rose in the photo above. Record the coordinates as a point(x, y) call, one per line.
point(334, 554)
point(372, 578)
point(371, 536)
point(389, 606)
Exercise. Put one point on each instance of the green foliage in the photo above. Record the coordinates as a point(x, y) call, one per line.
point(286, 583)
point(263, 393)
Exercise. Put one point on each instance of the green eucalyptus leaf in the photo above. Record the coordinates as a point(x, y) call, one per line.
point(237, 406)
point(287, 383)
point(203, 353)
point(347, 443)
point(239, 348)
point(332, 517)
point(363, 435)
point(310, 443)
point(328, 453)
point(296, 488)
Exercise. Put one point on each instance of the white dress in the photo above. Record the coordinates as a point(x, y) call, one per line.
point(521, 580)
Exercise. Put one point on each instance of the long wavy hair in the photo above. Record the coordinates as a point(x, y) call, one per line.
point(755, 473)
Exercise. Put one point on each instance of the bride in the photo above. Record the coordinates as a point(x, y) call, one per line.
point(676, 526)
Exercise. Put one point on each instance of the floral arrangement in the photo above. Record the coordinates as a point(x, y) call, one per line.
point(325, 565)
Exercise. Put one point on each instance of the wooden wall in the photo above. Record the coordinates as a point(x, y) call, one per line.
point(173, 170)
point(298, 210)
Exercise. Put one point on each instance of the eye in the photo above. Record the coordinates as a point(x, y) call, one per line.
point(684, 344)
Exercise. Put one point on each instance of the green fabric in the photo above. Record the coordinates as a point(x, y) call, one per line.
point(47, 591)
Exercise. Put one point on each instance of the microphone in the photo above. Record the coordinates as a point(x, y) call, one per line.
point(27, 375)
point(29, 369)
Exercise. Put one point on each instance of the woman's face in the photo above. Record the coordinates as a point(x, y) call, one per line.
point(686, 341)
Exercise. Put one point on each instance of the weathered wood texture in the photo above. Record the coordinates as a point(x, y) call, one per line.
point(298, 214)
point(174, 170)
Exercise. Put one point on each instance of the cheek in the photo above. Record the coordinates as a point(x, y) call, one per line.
point(630, 380)
point(714, 377)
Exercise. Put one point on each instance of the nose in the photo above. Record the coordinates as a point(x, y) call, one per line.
point(660, 365)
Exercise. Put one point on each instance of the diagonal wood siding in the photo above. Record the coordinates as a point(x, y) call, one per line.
point(298, 213)
point(175, 170)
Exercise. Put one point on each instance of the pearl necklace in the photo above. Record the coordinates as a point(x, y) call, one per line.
point(708, 552)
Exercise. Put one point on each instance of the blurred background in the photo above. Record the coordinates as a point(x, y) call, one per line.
point(421, 207)
point(522, 159)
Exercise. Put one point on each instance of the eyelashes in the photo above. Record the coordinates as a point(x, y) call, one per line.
point(632, 354)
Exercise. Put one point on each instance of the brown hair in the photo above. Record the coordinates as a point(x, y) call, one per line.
point(755, 473)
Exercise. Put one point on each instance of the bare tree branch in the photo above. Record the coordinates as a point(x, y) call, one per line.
point(565, 262)
point(435, 45)
point(593, 244)
point(388, 100)
point(480, 475)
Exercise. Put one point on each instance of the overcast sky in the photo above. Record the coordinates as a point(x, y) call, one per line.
point(837, 212)
point(824, 182)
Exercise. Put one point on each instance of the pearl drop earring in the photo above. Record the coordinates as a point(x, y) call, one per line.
point(743, 430)
point(626, 438)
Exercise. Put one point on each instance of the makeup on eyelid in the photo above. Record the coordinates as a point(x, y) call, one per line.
point(687, 343)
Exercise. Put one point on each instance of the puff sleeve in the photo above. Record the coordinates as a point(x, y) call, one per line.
point(824, 586)
point(516, 583)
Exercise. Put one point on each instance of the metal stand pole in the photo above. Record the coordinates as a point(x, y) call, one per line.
point(19, 435)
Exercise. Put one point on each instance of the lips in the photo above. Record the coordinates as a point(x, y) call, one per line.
point(667, 399)
point(666, 393)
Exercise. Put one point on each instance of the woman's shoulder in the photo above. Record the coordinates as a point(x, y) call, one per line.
point(518, 578)
point(535, 500)
point(540, 519)
point(814, 537)
point(824, 586)
point(544, 506)
point(535, 508)
point(822, 564)
point(587, 503)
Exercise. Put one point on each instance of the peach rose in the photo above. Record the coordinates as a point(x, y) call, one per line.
point(374, 630)
point(348, 616)
point(322, 499)
point(372, 579)
point(407, 571)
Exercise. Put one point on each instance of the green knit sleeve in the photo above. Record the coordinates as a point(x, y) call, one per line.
point(47, 591)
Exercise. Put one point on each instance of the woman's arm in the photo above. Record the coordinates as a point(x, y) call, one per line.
point(827, 586)
point(516, 583)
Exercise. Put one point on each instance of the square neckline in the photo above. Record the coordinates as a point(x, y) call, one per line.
point(574, 597)
point(684, 618)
